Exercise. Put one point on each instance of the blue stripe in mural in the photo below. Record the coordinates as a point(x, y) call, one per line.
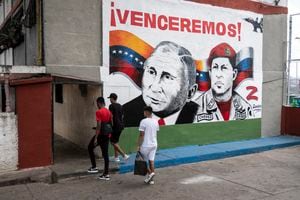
point(202, 76)
point(128, 55)
point(245, 64)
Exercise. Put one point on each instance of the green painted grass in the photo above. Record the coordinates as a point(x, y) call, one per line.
point(195, 134)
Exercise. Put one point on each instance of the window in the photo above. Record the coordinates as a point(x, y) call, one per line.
point(59, 93)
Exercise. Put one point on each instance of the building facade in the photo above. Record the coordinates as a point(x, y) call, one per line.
point(65, 45)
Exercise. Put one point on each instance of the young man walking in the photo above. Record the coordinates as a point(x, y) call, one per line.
point(101, 138)
point(147, 141)
point(118, 125)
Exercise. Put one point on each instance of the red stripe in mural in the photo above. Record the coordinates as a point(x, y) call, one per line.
point(248, 5)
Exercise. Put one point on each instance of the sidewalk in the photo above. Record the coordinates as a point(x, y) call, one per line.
point(69, 161)
point(195, 153)
point(72, 161)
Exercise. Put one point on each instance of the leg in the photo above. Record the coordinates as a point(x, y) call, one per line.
point(91, 148)
point(104, 142)
point(151, 166)
point(114, 141)
point(118, 149)
point(115, 150)
point(151, 158)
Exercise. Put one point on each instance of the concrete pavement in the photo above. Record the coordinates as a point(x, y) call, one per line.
point(271, 175)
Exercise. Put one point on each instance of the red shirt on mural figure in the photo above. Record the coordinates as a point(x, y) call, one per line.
point(225, 109)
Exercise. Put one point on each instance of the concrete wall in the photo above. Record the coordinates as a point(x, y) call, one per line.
point(8, 142)
point(72, 36)
point(75, 117)
point(274, 57)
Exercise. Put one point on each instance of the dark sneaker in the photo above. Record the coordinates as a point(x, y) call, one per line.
point(104, 177)
point(93, 170)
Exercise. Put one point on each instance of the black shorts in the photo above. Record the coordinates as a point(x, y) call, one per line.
point(115, 136)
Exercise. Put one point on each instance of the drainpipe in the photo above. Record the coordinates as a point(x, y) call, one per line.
point(39, 60)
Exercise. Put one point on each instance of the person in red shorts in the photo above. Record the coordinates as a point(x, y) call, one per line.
point(101, 138)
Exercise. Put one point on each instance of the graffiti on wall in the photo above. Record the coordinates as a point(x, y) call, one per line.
point(190, 62)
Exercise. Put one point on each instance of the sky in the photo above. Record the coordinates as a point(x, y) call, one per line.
point(294, 8)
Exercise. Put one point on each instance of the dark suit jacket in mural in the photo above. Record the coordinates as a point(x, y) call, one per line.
point(133, 112)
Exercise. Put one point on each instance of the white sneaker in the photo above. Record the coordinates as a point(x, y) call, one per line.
point(93, 170)
point(150, 177)
point(126, 157)
point(151, 182)
point(104, 177)
point(117, 159)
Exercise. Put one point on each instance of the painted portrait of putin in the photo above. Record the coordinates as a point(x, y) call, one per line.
point(168, 84)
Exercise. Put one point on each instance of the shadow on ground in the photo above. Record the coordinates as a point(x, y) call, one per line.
point(71, 160)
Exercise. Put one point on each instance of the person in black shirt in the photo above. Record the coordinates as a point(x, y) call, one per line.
point(118, 125)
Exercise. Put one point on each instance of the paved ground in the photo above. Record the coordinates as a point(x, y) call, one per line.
point(272, 175)
point(71, 160)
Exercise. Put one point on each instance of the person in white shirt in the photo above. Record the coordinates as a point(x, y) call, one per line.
point(147, 141)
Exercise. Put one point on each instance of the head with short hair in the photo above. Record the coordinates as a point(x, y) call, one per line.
point(169, 78)
point(148, 111)
point(100, 102)
point(113, 97)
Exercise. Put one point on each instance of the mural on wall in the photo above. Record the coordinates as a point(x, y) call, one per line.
point(190, 62)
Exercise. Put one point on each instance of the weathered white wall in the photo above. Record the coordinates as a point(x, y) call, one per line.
point(72, 36)
point(75, 117)
point(8, 142)
point(274, 57)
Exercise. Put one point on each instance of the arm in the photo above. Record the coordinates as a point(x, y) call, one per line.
point(112, 120)
point(140, 140)
point(98, 128)
point(111, 113)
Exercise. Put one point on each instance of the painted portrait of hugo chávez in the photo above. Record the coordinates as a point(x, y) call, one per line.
point(221, 102)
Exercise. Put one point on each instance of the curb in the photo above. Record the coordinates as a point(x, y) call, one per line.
point(44, 174)
point(113, 170)
point(41, 175)
point(195, 153)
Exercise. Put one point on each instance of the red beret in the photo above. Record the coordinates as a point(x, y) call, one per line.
point(222, 50)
